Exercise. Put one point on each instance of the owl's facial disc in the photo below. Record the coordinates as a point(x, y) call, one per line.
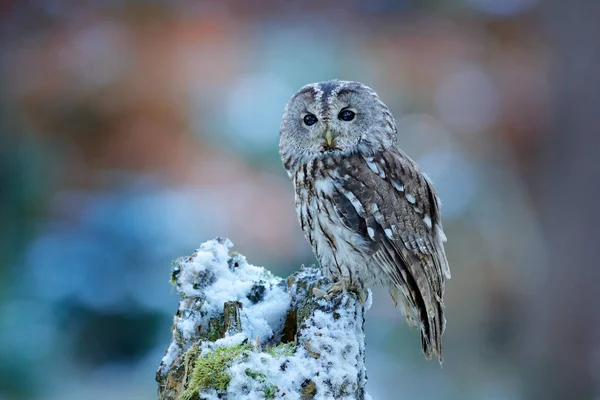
point(334, 118)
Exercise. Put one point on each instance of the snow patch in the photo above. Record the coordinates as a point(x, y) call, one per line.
point(330, 348)
point(213, 276)
point(229, 341)
point(172, 353)
point(334, 360)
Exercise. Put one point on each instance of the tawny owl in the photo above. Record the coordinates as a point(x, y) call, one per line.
point(369, 213)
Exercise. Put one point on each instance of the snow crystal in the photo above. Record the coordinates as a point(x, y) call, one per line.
point(335, 359)
point(229, 341)
point(261, 319)
point(172, 353)
point(187, 326)
point(211, 277)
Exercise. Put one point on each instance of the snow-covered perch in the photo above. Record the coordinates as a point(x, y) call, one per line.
point(242, 333)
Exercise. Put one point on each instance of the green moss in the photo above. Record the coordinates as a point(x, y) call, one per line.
point(175, 269)
point(268, 388)
point(215, 329)
point(210, 371)
point(282, 350)
point(255, 374)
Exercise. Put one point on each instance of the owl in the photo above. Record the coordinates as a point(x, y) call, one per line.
point(370, 214)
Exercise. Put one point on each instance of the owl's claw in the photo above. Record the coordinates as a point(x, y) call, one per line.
point(340, 286)
point(318, 293)
point(362, 298)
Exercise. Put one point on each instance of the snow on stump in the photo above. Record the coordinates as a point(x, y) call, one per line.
point(242, 333)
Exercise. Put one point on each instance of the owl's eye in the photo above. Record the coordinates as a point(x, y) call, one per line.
point(346, 115)
point(310, 119)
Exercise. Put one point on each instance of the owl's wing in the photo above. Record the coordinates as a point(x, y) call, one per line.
point(393, 206)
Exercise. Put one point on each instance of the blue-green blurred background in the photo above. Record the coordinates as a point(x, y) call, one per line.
point(132, 131)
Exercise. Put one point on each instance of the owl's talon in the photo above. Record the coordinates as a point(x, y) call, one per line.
point(318, 293)
point(344, 285)
point(361, 298)
point(338, 287)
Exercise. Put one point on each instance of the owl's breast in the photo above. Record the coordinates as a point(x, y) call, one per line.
point(341, 251)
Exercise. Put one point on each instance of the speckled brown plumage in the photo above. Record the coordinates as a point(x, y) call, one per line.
point(369, 213)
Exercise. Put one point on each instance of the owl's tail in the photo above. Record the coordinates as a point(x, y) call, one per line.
point(420, 289)
point(431, 328)
point(413, 307)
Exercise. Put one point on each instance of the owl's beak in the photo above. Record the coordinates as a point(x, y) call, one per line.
point(329, 138)
point(329, 143)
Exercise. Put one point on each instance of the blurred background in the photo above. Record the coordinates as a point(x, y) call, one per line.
point(132, 131)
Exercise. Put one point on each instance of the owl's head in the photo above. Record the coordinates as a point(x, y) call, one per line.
point(334, 118)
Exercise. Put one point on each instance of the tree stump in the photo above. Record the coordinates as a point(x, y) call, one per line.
point(242, 333)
